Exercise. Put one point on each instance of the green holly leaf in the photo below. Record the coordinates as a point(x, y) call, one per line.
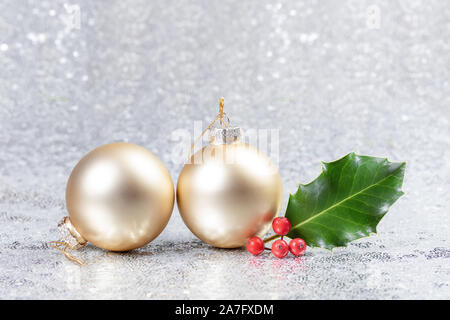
point(346, 201)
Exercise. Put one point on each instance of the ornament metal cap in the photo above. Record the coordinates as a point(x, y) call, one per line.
point(224, 135)
point(70, 235)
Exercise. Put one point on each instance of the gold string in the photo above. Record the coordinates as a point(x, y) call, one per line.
point(220, 117)
point(58, 244)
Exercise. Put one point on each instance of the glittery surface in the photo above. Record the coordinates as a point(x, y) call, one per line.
point(332, 76)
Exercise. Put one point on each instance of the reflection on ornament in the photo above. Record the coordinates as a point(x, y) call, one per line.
point(229, 191)
point(119, 197)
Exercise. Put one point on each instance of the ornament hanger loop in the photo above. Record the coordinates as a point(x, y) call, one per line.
point(63, 246)
point(224, 123)
point(224, 120)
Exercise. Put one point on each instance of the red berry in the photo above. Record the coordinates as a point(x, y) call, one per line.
point(280, 248)
point(281, 226)
point(255, 246)
point(297, 246)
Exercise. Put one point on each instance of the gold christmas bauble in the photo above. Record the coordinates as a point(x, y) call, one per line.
point(119, 197)
point(229, 191)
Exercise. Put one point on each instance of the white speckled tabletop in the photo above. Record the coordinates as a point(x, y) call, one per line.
point(332, 76)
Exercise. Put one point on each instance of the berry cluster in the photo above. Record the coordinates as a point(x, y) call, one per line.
point(280, 248)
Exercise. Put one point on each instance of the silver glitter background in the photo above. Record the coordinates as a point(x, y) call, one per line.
point(325, 73)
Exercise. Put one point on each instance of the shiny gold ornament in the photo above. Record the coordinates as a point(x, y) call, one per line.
point(229, 191)
point(119, 197)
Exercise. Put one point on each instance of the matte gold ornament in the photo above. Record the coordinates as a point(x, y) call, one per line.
point(119, 197)
point(229, 191)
